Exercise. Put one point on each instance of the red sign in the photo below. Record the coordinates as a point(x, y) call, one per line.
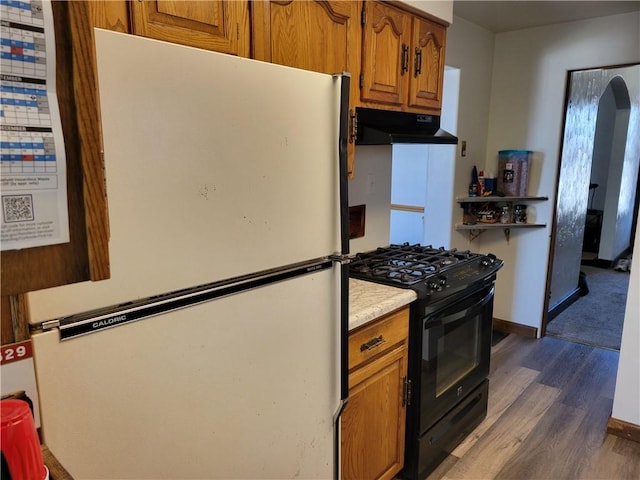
point(15, 351)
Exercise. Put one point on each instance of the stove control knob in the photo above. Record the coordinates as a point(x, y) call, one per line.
point(488, 260)
point(437, 284)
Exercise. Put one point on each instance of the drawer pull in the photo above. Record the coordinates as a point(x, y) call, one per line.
point(373, 343)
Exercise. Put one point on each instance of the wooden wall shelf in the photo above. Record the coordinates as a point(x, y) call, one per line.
point(499, 199)
point(494, 226)
point(476, 229)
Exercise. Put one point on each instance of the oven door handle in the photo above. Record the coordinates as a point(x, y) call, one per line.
point(444, 317)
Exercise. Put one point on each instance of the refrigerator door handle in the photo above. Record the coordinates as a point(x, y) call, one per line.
point(343, 140)
point(120, 314)
point(341, 259)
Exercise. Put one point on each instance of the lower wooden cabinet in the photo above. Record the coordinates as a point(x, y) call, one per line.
point(373, 422)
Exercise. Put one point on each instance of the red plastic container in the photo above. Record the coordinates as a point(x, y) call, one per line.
point(19, 442)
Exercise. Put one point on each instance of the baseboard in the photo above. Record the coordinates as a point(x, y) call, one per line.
point(598, 263)
point(601, 263)
point(562, 306)
point(623, 429)
point(505, 326)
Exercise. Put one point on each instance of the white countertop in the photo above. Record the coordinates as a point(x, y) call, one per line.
point(368, 301)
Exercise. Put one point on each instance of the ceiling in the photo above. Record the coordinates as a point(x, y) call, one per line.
point(505, 16)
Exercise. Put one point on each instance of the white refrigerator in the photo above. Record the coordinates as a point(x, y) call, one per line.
point(217, 349)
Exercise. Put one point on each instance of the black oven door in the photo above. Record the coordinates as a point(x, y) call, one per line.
point(456, 349)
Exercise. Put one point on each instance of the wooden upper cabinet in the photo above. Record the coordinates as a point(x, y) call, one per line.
point(110, 15)
point(425, 87)
point(313, 35)
point(321, 36)
point(385, 54)
point(402, 60)
point(222, 26)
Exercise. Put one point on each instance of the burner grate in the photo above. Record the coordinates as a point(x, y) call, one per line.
point(407, 264)
point(433, 273)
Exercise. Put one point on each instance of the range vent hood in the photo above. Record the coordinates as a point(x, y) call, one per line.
point(383, 127)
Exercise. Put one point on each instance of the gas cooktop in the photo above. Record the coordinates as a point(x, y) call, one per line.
point(431, 272)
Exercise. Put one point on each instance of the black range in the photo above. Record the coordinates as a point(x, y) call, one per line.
point(449, 342)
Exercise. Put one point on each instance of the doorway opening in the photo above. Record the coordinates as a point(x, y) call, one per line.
point(597, 200)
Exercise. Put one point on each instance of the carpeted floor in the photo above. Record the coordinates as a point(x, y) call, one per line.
point(596, 318)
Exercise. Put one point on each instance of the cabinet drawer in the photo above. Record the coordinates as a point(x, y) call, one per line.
point(378, 337)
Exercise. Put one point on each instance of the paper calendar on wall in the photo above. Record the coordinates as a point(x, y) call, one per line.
point(33, 162)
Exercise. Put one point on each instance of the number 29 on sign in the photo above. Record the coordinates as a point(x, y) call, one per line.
point(15, 351)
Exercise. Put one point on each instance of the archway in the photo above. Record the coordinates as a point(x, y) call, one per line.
point(607, 234)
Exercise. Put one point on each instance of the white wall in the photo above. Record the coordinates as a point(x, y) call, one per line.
point(529, 77)
point(469, 49)
point(527, 96)
point(527, 104)
point(442, 9)
point(626, 401)
point(408, 187)
point(372, 186)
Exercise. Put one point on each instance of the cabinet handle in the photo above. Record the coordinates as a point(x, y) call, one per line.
point(353, 130)
point(417, 62)
point(406, 392)
point(373, 343)
point(405, 59)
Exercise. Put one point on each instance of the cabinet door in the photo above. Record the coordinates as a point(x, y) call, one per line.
point(222, 26)
point(425, 87)
point(373, 422)
point(385, 54)
point(320, 36)
point(110, 15)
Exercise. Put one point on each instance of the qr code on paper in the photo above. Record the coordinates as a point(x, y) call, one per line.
point(17, 208)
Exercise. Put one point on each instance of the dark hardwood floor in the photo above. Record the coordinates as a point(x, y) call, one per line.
point(549, 402)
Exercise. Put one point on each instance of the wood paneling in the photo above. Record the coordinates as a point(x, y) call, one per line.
point(6, 326)
point(88, 120)
point(15, 314)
